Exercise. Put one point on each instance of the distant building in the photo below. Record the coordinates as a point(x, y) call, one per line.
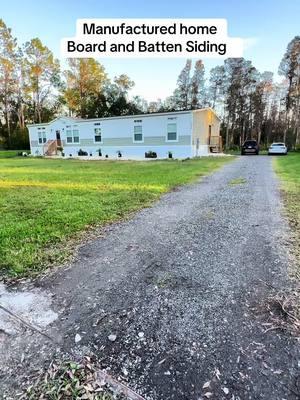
point(181, 133)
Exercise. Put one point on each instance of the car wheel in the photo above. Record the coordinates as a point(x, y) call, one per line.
point(257, 153)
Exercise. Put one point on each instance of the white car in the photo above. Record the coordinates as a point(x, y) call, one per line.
point(277, 148)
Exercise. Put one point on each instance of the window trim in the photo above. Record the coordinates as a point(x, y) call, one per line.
point(76, 136)
point(172, 140)
point(72, 128)
point(98, 127)
point(139, 124)
point(43, 138)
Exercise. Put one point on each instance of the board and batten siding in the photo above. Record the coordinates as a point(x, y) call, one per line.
point(202, 120)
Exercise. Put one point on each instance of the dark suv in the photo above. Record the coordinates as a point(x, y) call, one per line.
point(250, 147)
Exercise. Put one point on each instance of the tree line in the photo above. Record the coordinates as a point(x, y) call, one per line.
point(251, 104)
point(35, 89)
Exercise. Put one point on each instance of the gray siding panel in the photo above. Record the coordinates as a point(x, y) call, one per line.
point(83, 142)
point(128, 141)
point(87, 142)
point(148, 141)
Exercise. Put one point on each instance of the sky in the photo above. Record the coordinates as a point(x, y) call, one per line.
point(266, 25)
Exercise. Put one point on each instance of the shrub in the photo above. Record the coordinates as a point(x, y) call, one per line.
point(82, 153)
point(150, 154)
point(234, 147)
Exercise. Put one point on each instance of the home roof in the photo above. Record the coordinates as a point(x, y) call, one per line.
point(125, 116)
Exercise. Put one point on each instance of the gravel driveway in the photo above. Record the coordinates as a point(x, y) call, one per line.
point(182, 289)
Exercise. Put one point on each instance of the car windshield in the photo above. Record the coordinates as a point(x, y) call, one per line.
point(278, 144)
point(250, 143)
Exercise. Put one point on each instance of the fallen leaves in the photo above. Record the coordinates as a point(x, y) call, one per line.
point(217, 374)
point(112, 338)
point(77, 338)
point(225, 390)
point(69, 380)
point(206, 385)
point(284, 312)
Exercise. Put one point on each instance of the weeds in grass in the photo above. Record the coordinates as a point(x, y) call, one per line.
point(208, 214)
point(164, 281)
point(237, 181)
point(68, 381)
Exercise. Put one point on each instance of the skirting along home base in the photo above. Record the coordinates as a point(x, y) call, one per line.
point(179, 134)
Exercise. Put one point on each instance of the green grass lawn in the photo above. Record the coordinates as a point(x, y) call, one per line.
point(10, 153)
point(45, 204)
point(288, 169)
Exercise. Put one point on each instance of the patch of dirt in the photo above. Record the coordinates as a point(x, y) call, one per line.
point(31, 306)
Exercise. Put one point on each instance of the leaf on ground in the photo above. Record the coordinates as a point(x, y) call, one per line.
point(77, 338)
point(225, 390)
point(206, 385)
point(217, 373)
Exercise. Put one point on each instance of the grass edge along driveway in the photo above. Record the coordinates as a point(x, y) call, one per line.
point(46, 205)
point(288, 170)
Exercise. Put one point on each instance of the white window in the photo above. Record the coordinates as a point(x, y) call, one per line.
point(138, 133)
point(42, 135)
point(97, 135)
point(72, 134)
point(75, 135)
point(69, 134)
point(172, 132)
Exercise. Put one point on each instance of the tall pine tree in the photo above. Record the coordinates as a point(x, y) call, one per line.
point(197, 86)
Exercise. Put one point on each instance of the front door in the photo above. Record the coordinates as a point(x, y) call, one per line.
point(58, 140)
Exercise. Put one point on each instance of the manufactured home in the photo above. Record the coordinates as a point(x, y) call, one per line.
point(178, 134)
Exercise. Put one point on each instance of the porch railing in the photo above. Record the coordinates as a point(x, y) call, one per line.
point(50, 148)
point(216, 144)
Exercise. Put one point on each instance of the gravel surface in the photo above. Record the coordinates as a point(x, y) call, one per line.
point(174, 301)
